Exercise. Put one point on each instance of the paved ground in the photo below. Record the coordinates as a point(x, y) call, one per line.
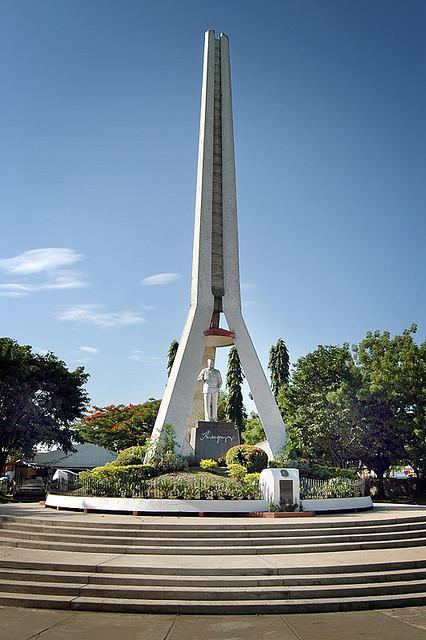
point(33, 509)
point(36, 624)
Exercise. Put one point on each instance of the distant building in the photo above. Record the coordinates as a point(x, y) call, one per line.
point(30, 477)
point(85, 456)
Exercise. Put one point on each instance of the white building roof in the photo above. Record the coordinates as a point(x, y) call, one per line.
point(86, 456)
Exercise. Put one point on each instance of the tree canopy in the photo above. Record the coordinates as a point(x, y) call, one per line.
point(39, 400)
point(316, 407)
point(366, 405)
point(117, 427)
point(391, 399)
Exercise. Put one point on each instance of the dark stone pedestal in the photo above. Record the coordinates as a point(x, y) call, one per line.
point(213, 439)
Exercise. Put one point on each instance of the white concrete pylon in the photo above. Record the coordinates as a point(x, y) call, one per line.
point(215, 268)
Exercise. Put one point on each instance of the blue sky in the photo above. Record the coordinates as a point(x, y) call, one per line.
point(98, 128)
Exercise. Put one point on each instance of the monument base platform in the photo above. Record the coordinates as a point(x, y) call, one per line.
point(213, 439)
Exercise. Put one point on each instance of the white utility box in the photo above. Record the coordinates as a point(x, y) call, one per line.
point(280, 487)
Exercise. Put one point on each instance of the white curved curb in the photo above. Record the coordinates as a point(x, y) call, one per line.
point(93, 503)
point(337, 504)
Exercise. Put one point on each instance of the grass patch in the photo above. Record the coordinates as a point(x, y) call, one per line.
point(193, 476)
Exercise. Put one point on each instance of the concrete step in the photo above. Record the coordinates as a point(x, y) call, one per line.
point(188, 548)
point(219, 542)
point(144, 580)
point(221, 593)
point(123, 605)
point(400, 528)
point(43, 588)
point(258, 580)
point(51, 564)
point(205, 571)
point(251, 592)
point(74, 577)
point(203, 524)
point(44, 577)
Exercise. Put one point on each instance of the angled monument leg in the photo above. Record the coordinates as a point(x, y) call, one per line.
point(176, 406)
point(259, 387)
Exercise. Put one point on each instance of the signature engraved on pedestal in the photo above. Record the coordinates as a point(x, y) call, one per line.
point(208, 435)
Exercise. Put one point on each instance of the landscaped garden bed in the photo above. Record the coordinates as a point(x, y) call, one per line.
point(169, 485)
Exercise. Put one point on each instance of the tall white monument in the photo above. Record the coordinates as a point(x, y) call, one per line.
point(215, 286)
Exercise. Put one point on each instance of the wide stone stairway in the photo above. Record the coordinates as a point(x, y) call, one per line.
point(153, 564)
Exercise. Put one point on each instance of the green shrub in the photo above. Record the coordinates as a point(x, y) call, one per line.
point(162, 453)
point(251, 457)
point(133, 482)
point(252, 478)
point(84, 476)
point(208, 464)
point(113, 481)
point(308, 470)
point(285, 505)
point(168, 462)
point(237, 471)
point(135, 472)
point(110, 472)
point(131, 455)
point(195, 488)
point(107, 472)
point(331, 488)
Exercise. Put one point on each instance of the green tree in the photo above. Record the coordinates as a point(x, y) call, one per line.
point(366, 405)
point(317, 406)
point(171, 355)
point(279, 366)
point(39, 400)
point(253, 429)
point(391, 400)
point(416, 446)
point(117, 427)
point(235, 410)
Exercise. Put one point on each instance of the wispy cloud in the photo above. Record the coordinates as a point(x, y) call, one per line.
point(38, 260)
point(139, 356)
point(160, 279)
point(93, 314)
point(51, 263)
point(88, 350)
point(14, 290)
point(247, 286)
